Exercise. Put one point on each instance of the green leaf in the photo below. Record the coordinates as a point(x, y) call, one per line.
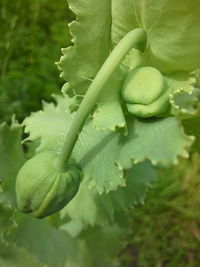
point(93, 208)
point(123, 19)
point(50, 125)
point(47, 244)
point(97, 153)
point(181, 81)
point(191, 127)
point(159, 140)
point(91, 37)
point(185, 102)
point(169, 24)
point(11, 159)
point(96, 30)
point(12, 256)
point(109, 113)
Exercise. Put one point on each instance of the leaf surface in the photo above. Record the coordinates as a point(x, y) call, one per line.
point(109, 113)
point(159, 140)
point(92, 208)
point(12, 256)
point(91, 37)
point(11, 159)
point(47, 244)
point(168, 24)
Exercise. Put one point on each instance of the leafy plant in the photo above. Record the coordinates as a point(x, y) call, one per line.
point(131, 89)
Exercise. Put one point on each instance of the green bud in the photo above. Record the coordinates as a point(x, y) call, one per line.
point(145, 92)
point(41, 189)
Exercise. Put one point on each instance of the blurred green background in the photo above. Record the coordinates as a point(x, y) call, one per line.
point(163, 232)
point(32, 33)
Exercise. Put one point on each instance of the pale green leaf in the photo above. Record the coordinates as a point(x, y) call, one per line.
point(109, 113)
point(97, 153)
point(180, 81)
point(185, 102)
point(172, 27)
point(123, 19)
point(91, 37)
point(51, 125)
point(159, 140)
point(183, 95)
point(101, 25)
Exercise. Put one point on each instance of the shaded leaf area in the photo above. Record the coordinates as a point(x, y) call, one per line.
point(92, 208)
point(184, 102)
point(11, 159)
point(12, 256)
point(6, 222)
point(165, 231)
point(98, 247)
point(45, 243)
point(32, 34)
point(192, 127)
point(48, 246)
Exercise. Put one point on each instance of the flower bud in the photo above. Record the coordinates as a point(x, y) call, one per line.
point(145, 92)
point(41, 189)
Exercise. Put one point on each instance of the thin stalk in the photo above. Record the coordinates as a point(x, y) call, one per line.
point(133, 39)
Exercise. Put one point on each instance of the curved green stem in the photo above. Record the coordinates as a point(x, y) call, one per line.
point(134, 39)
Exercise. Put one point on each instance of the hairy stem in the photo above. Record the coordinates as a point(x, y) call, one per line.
point(134, 39)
